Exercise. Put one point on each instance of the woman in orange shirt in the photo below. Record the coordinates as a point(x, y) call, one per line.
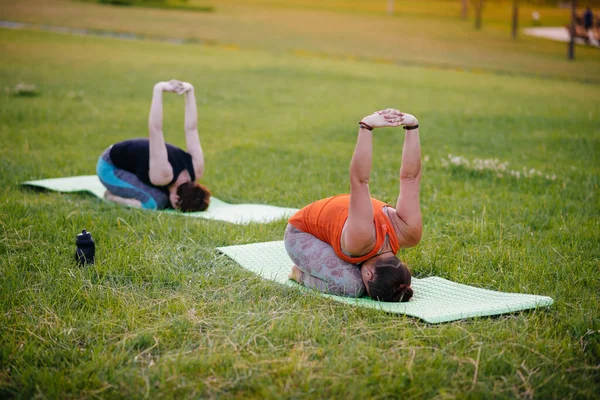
point(347, 244)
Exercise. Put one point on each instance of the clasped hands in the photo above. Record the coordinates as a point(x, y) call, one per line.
point(174, 86)
point(389, 118)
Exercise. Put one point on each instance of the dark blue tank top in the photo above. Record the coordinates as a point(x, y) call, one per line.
point(134, 156)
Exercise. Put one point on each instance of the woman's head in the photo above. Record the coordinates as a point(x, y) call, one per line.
point(387, 279)
point(192, 197)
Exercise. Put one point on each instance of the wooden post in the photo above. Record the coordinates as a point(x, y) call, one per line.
point(478, 10)
point(515, 19)
point(571, 47)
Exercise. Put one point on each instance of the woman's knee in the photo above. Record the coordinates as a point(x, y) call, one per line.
point(317, 259)
point(347, 283)
point(290, 239)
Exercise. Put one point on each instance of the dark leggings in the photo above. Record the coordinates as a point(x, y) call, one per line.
point(321, 268)
point(126, 184)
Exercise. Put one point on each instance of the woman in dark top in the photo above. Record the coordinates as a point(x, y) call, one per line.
point(150, 173)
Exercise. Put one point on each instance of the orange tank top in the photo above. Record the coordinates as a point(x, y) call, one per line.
point(325, 219)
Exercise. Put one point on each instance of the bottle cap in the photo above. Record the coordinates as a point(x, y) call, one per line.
point(84, 237)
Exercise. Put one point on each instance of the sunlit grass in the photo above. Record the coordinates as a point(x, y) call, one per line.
point(498, 12)
point(424, 33)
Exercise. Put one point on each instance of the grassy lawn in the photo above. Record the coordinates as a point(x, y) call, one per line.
point(162, 314)
point(424, 33)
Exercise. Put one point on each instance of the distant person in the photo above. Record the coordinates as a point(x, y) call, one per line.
point(577, 29)
point(588, 19)
point(152, 174)
point(588, 27)
point(346, 245)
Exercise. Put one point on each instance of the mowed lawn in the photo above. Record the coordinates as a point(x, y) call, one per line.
point(423, 33)
point(163, 314)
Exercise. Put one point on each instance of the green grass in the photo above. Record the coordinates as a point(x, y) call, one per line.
point(423, 33)
point(162, 314)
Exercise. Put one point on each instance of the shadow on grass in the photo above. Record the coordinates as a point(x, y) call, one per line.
point(161, 4)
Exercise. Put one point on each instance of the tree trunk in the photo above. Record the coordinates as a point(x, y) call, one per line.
point(464, 12)
point(515, 19)
point(571, 47)
point(478, 9)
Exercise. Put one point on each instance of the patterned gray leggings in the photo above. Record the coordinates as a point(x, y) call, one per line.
point(321, 268)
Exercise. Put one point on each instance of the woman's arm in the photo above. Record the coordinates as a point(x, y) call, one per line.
point(192, 139)
point(358, 235)
point(408, 206)
point(161, 171)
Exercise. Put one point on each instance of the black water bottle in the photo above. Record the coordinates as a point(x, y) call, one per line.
point(86, 249)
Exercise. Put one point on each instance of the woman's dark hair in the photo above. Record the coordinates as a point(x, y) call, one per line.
point(391, 281)
point(192, 197)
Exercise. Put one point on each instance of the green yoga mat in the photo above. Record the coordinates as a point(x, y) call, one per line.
point(218, 209)
point(435, 299)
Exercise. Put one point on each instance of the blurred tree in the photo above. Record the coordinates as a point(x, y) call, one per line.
point(478, 10)
point(571, 46)
point(515, 18)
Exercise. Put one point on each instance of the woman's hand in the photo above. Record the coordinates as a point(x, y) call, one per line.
point(395, 115)
point(174, 86)
point(380, 120)
point(170, 86)
point(389, 118)
point(181, 87)
point(184, 87)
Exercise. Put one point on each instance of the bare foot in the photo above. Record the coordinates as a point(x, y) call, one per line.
point(121, 200)
point(296, 274)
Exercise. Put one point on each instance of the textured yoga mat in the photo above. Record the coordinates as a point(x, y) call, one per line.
point(435, 299)
point(218, 209)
